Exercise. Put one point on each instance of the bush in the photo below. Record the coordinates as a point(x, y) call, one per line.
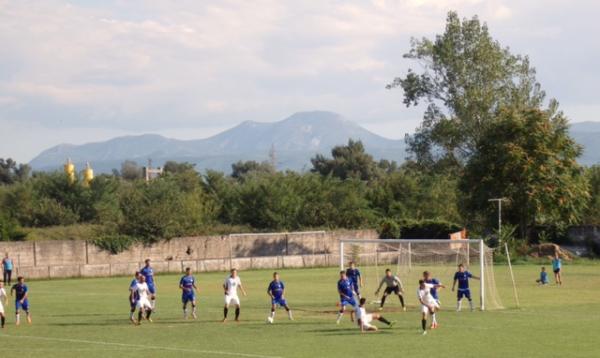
point(114, 243)
point(10, 230)
point(388, 229)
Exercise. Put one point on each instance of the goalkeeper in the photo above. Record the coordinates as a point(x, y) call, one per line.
point(393, 285)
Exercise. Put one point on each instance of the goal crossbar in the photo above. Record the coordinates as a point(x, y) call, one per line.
point(432, 241)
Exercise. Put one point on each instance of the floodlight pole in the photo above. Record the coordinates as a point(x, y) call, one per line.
point(499, 200)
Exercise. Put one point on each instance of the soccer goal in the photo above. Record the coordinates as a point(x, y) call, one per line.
point(408, 259)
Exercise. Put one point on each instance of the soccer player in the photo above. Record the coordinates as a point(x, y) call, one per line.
point(3, 302)
point(346, 291)
point(276, 291)
point(187, 284)
point(143, 303)
point(354, 276)
point(462, 276)
point(133, 296)
point(428, 277)
point(543, 280)
point(148, 274)
point(428, 304)
point(393, 285)
point(364, 319)
point(556, 266)
point(21, 299)
point(231, 296)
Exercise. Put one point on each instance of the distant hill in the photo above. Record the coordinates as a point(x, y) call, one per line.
point(295, 139)
point(588, 135)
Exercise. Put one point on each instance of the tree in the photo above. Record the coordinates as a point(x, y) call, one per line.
point(467, 76)
point(527, 156)
point(240, 169)
point(130, 170)
point(592, 213)
point(174, 167)
point(11, 173)
point(349, 161)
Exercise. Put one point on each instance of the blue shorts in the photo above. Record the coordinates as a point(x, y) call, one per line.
point(463, 293)
point(133, 304)
point(279, 301)
point(24, 306)
point(151, 288)
point(347, 301)
point(188, 297)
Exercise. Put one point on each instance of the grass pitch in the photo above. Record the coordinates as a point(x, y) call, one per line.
point(89, 317)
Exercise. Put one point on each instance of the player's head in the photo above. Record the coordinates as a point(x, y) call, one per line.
point(147, 262)
point(388, 272)
point(422, 283)
point(352, 264)
point(142, 278)
point(136, 275)
point(461, 268)
point(188, 270)
point(342, 274)
point(426, 275)
point(233, 272)
point(276, 276)
point(362, 301)
point(20, 279)
point(543, 269)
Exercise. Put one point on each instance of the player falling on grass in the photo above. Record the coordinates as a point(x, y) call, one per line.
point(148, 272)
point(429, 305)
point(346, 291)
point(231, 296)
point(133, 296)
point(21, 299)
point(462, 276)
point(276, 291)
point(354, 276)
point(143, 303)
point(364, 319)
point(3, 303)
point(393, 285)
point(187, 284)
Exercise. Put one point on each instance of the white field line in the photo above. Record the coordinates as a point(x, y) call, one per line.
point(139, 346)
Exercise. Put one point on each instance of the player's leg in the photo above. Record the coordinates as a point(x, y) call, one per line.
point(459, 295)
point(237, 312)
point(273, 306)
point(385, 294)
point(194, 314)
point(184, 301)
point(17, 313)
point(400, 297)
point(149, 309)
point(559, 277)
point(424, 319)
point(289, 311)
point(2, 319)
point(380, 318)
point(132, 306)
point(341, 312)
point(468, 295)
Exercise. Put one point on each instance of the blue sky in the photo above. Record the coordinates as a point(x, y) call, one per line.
point(79, 71)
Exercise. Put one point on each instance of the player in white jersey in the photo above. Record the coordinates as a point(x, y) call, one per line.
point(364, 319)
point(429, 304)
point(143, 303)
point(3, 302)
point(230, 286)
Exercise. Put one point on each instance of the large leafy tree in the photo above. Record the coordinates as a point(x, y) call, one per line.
point(527, 156)
point(348, 162)
point(464, 77)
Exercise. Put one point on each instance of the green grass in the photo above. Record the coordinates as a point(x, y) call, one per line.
point(74, 318)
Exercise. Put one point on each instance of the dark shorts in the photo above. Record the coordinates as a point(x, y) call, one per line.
point(280, 301)
point(347, 301)
point(557, 270)
point(463, 293)
point(390, 290)
point(24, 306)
point(188, 297)
point(132, 304)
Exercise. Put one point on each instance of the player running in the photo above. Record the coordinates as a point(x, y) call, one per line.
point(462, 276)
point(276, 291)
point(187, 284)
point(231, 296)
point(133, 296)
point(364, 319)
point(393, 285)
point(148, 273)
point(428, 304)
point(428, 277)
point(354, 276)
point(143, 303)
point(346, 291)
point(3, 302)
point(21, 299)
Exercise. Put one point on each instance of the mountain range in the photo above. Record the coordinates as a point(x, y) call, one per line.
point(293, 140)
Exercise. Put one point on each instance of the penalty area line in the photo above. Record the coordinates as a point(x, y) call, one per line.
point(128, 345)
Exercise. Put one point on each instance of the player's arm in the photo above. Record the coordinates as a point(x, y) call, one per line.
point(360, 281)
point(454, 283)
point(242, 288)
point(181, 284)
point(379, 288)
point(225, 287)
point(400, 285)
point(270, 292)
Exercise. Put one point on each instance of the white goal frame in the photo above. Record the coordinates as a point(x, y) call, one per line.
point(411, 241)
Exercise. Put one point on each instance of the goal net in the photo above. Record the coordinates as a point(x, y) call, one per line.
point(408, 259)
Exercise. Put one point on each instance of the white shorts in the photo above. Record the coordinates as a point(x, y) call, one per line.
point(143, 303)
point(1, 308)
point(425, 309)
point(232, 300)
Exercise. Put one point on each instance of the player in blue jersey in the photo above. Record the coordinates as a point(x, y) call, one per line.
point(148, 273)
point(462, 276)
point(276, 291)
point(21, 299)
point(346, 291)
point(133, 296)
point(556, 267)
point(353, 275)
point(187, 284)
point(543, 280)
point(435, 285)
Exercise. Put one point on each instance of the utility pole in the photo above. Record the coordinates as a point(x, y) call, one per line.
point(499, 200)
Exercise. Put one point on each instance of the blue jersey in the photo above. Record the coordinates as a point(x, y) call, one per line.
point(187, 282)
point(7, 264)
point(148, 273)
point(345, 288)
point(433, 290)
point(463, 279)
point(544, 277)
point(353, 275)
point(556, 264)
point(276, 288)
point(20, 290)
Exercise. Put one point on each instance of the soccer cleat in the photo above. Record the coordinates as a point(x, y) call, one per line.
point(424, 333)
point(434, 325)
point(337, 321)
point(224, 320)
point(392, 323)
point(380, 308)
point(150, 320)
point(404, 309)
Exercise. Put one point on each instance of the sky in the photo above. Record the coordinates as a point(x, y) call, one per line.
point(89, 70)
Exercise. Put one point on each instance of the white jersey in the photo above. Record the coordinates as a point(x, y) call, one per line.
point(3, 297)
point(424, 294)
point(142, 290)
point(231, 285)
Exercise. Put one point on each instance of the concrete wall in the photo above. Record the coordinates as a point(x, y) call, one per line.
point(64, 258)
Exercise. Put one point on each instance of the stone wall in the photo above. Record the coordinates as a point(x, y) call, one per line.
point(64, 258)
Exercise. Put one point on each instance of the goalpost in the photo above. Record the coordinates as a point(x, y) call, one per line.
point(409, 258)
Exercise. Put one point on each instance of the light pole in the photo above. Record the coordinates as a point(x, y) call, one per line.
point(499, 200)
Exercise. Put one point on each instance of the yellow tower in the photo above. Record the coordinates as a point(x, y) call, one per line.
point(70, 170)
point(88, 174)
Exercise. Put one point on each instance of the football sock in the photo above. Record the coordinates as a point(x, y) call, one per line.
point(3, 320)
point(433, 319)
point(185, 312)
point(290, 314)
point(193, 309)
point(381, 319)
point(458, 305)
point(153, 303)
point(424, 324)
point(237, 313)
point(131, 314)
point(148, 313)
point(471, 304)
point(272, 314)
point(225, 311)
point(18, 318)
point(383, 300)
point(401, 300)
point(339, 316)
point(140, 316)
